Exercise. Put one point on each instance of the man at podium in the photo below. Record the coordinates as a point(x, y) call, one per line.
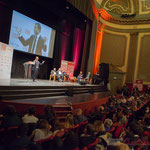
point(35, 68)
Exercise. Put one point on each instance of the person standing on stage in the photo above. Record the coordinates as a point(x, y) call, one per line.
point(36, 67)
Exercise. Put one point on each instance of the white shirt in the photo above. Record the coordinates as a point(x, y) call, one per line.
point(29, 119)
point(39, 134)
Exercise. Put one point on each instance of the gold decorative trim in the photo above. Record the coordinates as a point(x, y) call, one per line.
point(118, 26)
point(138, 54)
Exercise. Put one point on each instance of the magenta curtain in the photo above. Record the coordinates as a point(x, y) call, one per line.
point(65, 39)
point(78, 41)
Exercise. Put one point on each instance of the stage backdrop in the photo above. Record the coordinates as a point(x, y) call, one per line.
point(67, 66)
point(6, 54)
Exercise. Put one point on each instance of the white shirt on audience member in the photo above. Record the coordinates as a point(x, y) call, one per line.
point(40, 134)
point(29, 119)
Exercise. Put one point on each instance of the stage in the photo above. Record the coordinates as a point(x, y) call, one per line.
point(29, 82)
point(48, 92)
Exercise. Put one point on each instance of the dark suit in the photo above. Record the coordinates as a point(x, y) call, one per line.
point(40, 44)
point(36, 69)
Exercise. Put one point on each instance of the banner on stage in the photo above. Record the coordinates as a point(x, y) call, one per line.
point(67, 66)
point(6, 55)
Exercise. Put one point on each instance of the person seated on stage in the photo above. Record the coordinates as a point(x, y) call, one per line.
point(53, 73)
point(88, 77)
point(59, 75)
point(65, 75)
point(80, 76)
point(29, 117)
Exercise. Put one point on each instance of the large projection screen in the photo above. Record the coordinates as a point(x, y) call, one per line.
point(28, 35)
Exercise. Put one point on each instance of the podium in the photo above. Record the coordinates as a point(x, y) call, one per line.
point(27, 70)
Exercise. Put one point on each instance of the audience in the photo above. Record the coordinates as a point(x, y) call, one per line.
point(71, 141)
point(79, 117)
point(29, 117)
point(108, 124)
point(21, 140)
point(10, 119)
point(100, 129)
point(48, 114)
point(42, 131)
point(69, 123)
point(88, 136)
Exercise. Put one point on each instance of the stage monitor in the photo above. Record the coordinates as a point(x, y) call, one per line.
point(28, 35)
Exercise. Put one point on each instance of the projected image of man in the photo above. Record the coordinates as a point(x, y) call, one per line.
point(36, 42)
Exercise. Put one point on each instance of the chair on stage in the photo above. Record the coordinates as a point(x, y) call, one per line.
point(52, 76)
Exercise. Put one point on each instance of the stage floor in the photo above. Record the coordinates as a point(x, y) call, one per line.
point(24, 82)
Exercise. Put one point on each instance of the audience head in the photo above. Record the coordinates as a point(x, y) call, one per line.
point(69, 121)
point(54, 69)
point(80, 72)
point(78, 112)
point(31, 111)
point(10, 110)
point(99, 126)
point(48, 109)
point(101, 108)
point(44, 125)
point(89, 129)
point(108, 123)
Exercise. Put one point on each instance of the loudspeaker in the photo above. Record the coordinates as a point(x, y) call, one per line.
point(104, 72)
point(69, 92)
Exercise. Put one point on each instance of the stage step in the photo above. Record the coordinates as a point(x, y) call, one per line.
point(61, 111)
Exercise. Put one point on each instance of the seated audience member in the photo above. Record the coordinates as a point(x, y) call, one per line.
point(125, 90)
point(71, 141)
point(29, 117)
point(101, 134)
point(134, 134)
point(98, 115)
point(21, 140)
point(88, 136)
point(80, 76)
point(78, 118)
point(10, 118)
point(56, 126)
point(69, 121)
point(42, 131)
point(48, 114)
point(88, 77)
point(123, 118)
point(108, 124)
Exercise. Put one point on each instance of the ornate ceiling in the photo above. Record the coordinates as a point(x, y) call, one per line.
point(124, 11)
